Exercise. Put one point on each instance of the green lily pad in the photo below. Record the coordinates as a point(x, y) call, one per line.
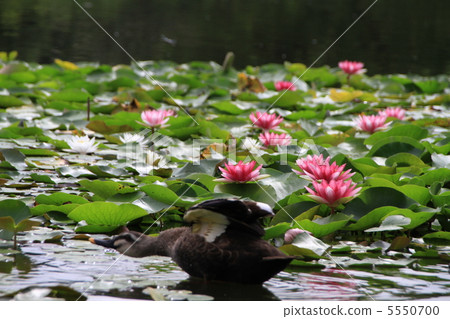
point(277, 230)
point(409, 130)
point(439, 238)
point(324, 226)
point(372, 218)
point(307, 246)
point(42, 178)
point(10, 101)
point(254, 191)
point(106, 171)
point(417, 218)
point(166, 196)
point(71, 95)
point(16, 209)
point(375, 197)
point(60, 198)
point(106, 214)
point(297, 211)
point(396, 144)
point(392, 222)
point(43, 209)
point(405, 159)
point(416, 192)
point(106, 189)
point(228, 107)
point(14, 158)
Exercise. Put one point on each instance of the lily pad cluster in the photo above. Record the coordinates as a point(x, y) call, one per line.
point(146, 178)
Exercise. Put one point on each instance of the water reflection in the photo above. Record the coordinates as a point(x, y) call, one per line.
point(93, 271)
point(225, 291)
point(394, 36)
point(19, 262)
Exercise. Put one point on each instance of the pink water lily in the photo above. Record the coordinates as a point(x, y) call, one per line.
point(284, 85)
point(273, 139)
point(352, 67)
point(333, 193)
point(397, 112)
point(372, 123)
point(240, 172)
point(156, 118)
point(290, 235)
point(316, 168)
point(304, 163)
point(266, 121)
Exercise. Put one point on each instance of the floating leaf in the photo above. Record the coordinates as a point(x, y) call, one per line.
point(106, 189)
point(344, 96)
point(42, 178)
point(253, 191)
point(393, 222)
point(440, 238)
point(66, 65)
point(228, 107)
point(418, 193)
point(14, 157)
point(16, 209)
point(307, 246)
point(10, 101)
point(167, 196)
point(375, 197)
point(297, 211)
point(399, 243)
point(277, 230)
point(60, 198)
point(324, 226)
point(372, 218)
point(396, 144)
point(409, 130)
point(107, 215)
point(71, 95)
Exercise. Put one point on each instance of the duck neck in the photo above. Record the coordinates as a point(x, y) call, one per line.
point(162, 245)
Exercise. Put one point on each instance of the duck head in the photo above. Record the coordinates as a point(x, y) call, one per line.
point(211, 218)
point(122, 242)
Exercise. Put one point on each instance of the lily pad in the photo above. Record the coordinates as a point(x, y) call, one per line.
point(393, 222)
point(106, 214)
point(324, 226)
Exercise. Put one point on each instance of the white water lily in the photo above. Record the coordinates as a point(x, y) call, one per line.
point(253, 146)
point(130, 138)
point(153, 161)
point(156, 160)
point(82, 144)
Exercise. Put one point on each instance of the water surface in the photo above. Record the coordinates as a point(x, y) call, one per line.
point(402, 36)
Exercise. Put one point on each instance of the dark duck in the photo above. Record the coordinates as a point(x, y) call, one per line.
point(223, 243)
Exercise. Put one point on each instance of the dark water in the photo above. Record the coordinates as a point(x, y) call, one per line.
point(100, 274)
point(401, 36)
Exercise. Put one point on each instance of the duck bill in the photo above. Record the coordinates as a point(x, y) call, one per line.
point(108, 243)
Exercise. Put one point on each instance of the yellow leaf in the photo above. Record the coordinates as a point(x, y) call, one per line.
point(251, 83)
point(344, 96)
point(66, 65)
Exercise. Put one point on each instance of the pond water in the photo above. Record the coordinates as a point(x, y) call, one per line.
point(392, 37)
point(100, 274)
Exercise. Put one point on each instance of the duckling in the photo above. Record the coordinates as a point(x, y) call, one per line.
point(224, 243)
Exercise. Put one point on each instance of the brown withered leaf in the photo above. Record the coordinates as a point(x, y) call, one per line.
point(133, 106)
point(250, 83)
point(217, 147)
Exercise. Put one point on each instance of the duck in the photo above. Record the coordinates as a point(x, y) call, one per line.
point(222, 243)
